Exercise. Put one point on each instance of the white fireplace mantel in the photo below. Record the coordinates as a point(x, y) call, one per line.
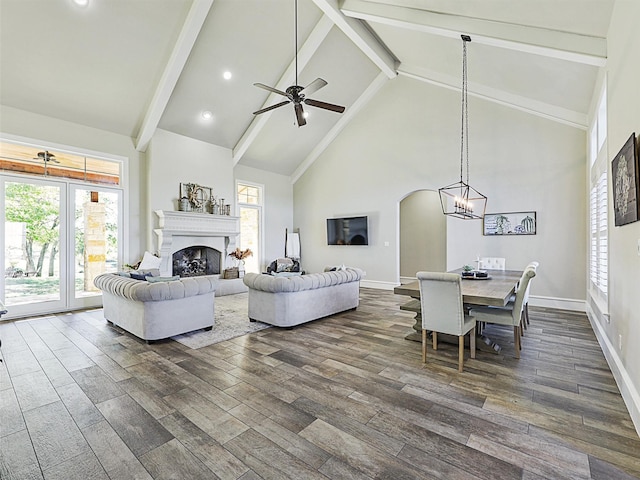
point(178, 230)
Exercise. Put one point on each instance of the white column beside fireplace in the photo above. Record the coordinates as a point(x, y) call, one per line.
point(178, 230)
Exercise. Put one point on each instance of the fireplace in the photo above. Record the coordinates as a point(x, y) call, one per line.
point(197, 241)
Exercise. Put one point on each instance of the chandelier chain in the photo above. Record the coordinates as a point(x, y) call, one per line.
point(464, 131)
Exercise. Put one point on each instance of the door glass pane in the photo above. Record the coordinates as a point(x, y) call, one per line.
point(32, 243)
point(95, 238)
point(250, 236)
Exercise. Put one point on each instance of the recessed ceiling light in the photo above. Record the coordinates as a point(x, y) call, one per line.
point(227, 75)
point(81, 3)
point(207, 115)
point(305, 114)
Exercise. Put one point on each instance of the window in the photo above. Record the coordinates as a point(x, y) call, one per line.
point(598, 203)
point(250, 206)
point(33, 160)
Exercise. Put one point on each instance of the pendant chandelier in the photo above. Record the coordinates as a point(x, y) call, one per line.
point(461, 200)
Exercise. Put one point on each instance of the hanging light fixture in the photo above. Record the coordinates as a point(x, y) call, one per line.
point(461, 200)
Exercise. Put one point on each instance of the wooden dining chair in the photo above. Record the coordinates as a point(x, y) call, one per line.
point(443, 312)
point(492, 263)
point(510, 314)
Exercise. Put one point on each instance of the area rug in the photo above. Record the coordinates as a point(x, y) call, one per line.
point(232, 320)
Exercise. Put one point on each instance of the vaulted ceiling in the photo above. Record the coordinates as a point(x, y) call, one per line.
point(131, 66)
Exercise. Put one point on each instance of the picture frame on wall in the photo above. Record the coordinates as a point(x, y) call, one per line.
point(625, 180)
point(512, 223)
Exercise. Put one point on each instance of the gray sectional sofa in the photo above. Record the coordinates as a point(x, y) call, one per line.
point(153, 311)
point(286, 301)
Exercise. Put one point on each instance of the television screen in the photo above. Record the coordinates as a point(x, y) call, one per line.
point(347, 231)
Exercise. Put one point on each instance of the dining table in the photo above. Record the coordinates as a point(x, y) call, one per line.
point(495, 289)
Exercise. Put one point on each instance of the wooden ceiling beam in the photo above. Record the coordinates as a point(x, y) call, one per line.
point(181, 51)
point(573, 47)
point(361, 36)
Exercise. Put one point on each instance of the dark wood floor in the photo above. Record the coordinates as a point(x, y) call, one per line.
point(345, 398)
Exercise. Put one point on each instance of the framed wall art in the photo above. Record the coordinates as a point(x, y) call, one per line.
point(626, 183)
point(513, 223)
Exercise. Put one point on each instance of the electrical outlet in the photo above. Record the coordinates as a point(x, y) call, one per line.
point(619, 342)
point(639, 247)
point(386, 244)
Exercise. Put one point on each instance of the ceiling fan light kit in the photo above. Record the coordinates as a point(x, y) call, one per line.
point(298, 95)
point(461, 200)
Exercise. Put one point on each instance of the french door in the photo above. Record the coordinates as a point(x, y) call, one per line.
point(57, 236)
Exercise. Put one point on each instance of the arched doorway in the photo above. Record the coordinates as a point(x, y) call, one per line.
point(423, 234)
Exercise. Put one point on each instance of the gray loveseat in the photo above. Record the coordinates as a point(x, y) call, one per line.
point(292, 300)
point(153, 311)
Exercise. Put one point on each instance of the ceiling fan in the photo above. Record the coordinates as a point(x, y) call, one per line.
point(298, 95)
point(46, 157)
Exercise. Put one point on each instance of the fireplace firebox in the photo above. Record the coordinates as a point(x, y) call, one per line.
point(196, 261)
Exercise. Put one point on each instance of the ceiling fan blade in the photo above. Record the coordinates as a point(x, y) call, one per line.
point(314, 86)
point(266, 109)
point(271, 89)
point(325, 105)
point(300, 115)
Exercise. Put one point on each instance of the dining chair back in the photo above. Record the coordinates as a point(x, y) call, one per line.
point(510, 314)
point(525, 308)
point(492, 263)
point(443, 311)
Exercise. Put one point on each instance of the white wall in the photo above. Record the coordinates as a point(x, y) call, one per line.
point(623, 74)
point(277, 210)
point(175, 159)
point(47, 129)
point(408, 138)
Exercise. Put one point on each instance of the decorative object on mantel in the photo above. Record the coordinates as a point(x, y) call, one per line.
point(199, 199)
point(626, 183)
point(240, 256)
point(460, 200)
point(518, 223)
point(194, 198)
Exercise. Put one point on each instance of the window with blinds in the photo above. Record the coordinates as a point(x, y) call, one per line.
point(598, 202)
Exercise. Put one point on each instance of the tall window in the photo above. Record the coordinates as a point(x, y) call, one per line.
point(250, 198)
point(598, 202)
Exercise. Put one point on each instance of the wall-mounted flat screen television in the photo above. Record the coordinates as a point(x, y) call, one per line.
point(348, 231)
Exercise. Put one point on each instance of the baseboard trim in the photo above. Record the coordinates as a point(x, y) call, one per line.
point(630, 395)
point(559, 303)
point(378, 284)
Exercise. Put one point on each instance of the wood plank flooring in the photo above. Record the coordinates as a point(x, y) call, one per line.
point(345, 397)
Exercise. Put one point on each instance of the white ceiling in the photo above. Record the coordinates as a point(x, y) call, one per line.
point(131, 66)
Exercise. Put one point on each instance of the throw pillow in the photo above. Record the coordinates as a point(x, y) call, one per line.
point(163, 279)
point(284, 265)
point(153, 272)
point(125, 274)
point(139, 276)
point(286, 274)
point(149, 261)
